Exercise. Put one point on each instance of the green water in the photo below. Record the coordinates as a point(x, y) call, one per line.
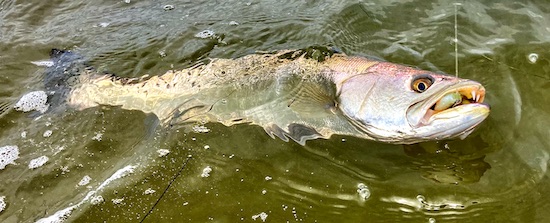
point(498, 174)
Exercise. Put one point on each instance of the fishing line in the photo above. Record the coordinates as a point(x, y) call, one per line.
point(167, 187)
point(456, 38)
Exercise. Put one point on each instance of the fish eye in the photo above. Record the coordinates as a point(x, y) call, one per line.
point(421, 83)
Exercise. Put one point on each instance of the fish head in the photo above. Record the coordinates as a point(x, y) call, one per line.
point(403, 105)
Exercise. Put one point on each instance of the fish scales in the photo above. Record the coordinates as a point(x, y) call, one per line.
point(293, 95)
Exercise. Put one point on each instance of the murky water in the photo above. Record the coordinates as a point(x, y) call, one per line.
point(109, 164)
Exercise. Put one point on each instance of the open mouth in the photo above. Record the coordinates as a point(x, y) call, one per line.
point(461, 96)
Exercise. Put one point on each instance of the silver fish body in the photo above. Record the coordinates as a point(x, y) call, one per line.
point(294, 96)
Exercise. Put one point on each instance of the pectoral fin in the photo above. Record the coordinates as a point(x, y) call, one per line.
point(307, 96)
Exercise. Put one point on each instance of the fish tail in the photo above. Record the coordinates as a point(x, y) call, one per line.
point(62, 75)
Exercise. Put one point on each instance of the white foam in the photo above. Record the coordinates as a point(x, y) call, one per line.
point(117, 200)
point(149, 191)
point(205, 34)
point(95, 200)
point(2, 203)
point(35, 100)
point(85, 181)
point(363, 191)
point(43, 63)
point(163, 152)
point(47, 133)
point(206, 171)
point(98, 136)
point(8, 155)
point(38, 162)
point(262, 216)
point(62, 215)
point(200, 129)
point(59, 216)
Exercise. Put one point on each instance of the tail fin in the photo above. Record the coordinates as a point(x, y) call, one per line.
point(62, 75)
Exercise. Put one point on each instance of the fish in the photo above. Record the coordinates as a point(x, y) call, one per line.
point(296, 95)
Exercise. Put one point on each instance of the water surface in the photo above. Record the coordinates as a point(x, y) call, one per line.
point(105, 163)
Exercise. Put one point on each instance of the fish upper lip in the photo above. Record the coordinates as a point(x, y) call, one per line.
point(472, 92)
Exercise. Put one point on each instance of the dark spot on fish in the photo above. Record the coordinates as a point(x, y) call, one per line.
point(237, 120)
point(193, 84)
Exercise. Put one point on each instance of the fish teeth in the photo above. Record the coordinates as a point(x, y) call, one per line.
point(474, 96)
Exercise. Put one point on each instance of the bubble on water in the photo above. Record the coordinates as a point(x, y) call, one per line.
point(47, 133)
point(206, 171)
point(24, 134)
point(98, 136)
point(421, 198)
point(2, 203)
point(95, 200)
point(127, 1)
point(205, 34)
point(533, 57)
point(64, 169)
point(207, 147)
point(168, 7)
point(58, 150)
point(117, 200)
point(431, 220)
point(268, 178)
point(162, 53)
point(85, 181)
point(38, 162)
point(262, 216)
point(233, 23)
point(149, 191)
point(185, 203)
point(363, 191)
point(104, 24)
point(8, 155)
point(35, 100)
point(200, 129)
point(163, 152)
point(264, 192)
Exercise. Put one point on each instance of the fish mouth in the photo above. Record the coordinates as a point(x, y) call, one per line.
point(463, 97)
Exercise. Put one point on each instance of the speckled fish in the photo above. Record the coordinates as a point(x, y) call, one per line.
point(298, 95)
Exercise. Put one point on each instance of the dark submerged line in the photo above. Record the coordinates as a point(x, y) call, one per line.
point(167, 187)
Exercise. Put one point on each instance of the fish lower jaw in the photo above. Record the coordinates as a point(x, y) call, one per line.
point(466, 95)
point(472, 110)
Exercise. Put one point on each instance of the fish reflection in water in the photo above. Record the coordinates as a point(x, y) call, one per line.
point(450, 162)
